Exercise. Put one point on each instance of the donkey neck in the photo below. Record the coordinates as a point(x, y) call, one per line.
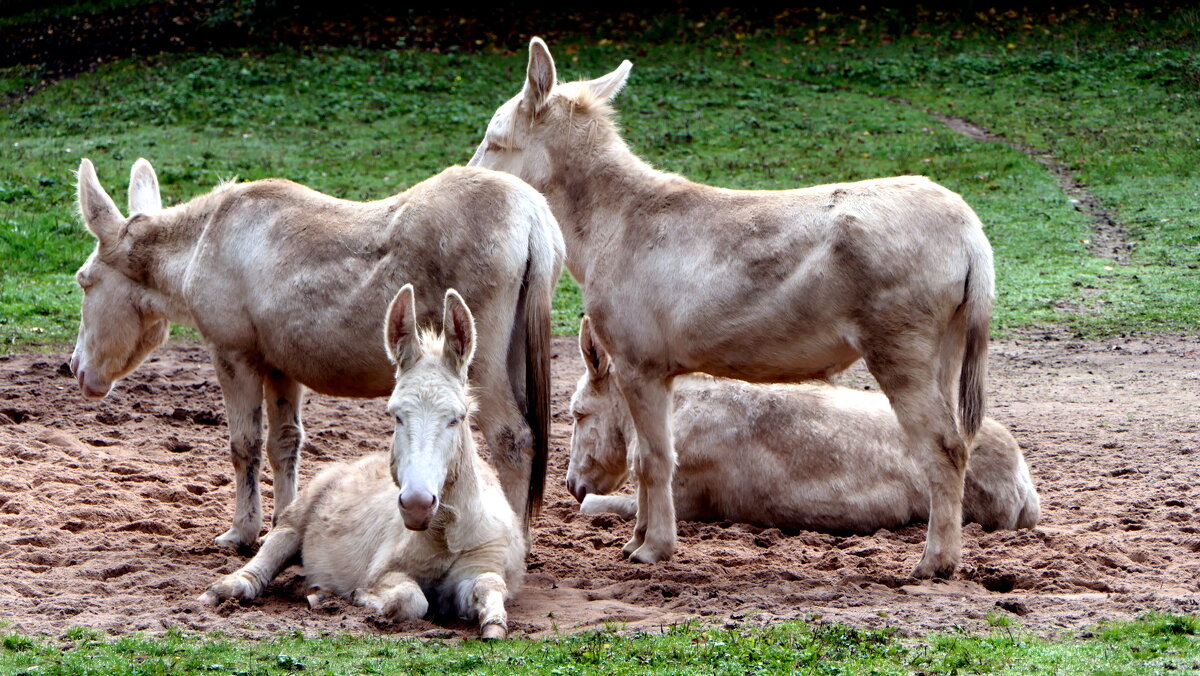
point(593, 185)
point(165, 249)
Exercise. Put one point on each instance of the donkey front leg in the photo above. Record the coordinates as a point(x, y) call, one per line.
point(395, 595)
point(624, 506)
point(482, 597)
point(242, 389)
point(649, 401)
point(285, 436)
point(280, 545)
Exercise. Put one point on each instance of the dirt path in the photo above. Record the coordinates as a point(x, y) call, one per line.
point(108, 510)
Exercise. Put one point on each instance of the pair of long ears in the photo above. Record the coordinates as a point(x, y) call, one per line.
point(595, 357)
point(458, 327)
point(100, 213)
point(541, 77)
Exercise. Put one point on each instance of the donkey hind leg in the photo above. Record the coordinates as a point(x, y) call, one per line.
point(242, 389)
point(280, 545)
point(285, 436)
point(507, 433)
point(482, 596)
point(649, 401)
point(926, 414)
point(395, 595)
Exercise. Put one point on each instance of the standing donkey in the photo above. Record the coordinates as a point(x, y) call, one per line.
point(428, 517)
point(284, 284)
point(758, 285)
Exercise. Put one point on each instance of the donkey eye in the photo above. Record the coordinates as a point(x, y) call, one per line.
point(494, 147)
point(399, 420)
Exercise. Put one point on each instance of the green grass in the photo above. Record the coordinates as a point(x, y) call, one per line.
point(1153, 645)
point(773, 109)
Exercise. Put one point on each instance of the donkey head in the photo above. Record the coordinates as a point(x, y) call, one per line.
point(430, 402)
point(603, 426)
point(523, 132)
point(118, 326)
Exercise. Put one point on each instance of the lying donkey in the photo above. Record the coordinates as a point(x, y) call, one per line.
point(284, 283)
point(811, 456)
point(429, 517)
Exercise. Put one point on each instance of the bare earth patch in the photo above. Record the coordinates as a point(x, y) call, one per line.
point(109, 509)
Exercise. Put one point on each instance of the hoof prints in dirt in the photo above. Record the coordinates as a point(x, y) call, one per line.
point(109, 510)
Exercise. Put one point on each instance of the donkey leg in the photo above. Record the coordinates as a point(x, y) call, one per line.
point(242, 389)
point(649, 400)
point(482, 596)
point(285, 436)
point(931, 430)
point(280, 545)
point(624, 506)
point(508, 436)
point(395, 595)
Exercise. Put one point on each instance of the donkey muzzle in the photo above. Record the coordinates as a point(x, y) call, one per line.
point(417, 507)
point(577, 488)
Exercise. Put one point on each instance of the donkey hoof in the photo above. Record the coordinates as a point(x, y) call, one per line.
point(316, 598)
point(648, 554)
point(209, 598)
point(233, 539)
point(493, 631)
point(632, 546)
point(927, 569)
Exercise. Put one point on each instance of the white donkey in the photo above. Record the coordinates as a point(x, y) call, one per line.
point(427, 518)
point(811, 456)
point(284, 283)
point(765, 286)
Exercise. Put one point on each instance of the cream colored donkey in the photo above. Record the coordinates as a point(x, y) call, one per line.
point(427, 519)
point(810, 456)
point(286, 286)
point(765, 286)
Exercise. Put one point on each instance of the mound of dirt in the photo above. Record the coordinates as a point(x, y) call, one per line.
point(109, 510)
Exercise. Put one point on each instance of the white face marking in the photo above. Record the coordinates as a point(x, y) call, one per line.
point(429, 404)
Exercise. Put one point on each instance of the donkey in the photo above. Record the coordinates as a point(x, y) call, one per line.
point(428, 518)
point(764, 286)
point(283, 282)
point(810, 456)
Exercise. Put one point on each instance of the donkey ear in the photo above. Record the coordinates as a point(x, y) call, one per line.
point(608, 86)
point(400, 329)
point(540, 76)
point(143, 189)
point(594, 355)
point(100, 214)
point(459, 328)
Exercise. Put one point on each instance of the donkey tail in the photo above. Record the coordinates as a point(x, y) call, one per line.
point(546, 255)
point(977, 310)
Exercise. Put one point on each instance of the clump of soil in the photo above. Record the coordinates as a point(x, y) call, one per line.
point(109, 510)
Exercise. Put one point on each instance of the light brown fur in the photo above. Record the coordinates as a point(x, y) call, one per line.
point(765, 286)
point(286, 285)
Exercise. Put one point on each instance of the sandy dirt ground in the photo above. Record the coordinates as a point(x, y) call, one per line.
point(108, 512)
